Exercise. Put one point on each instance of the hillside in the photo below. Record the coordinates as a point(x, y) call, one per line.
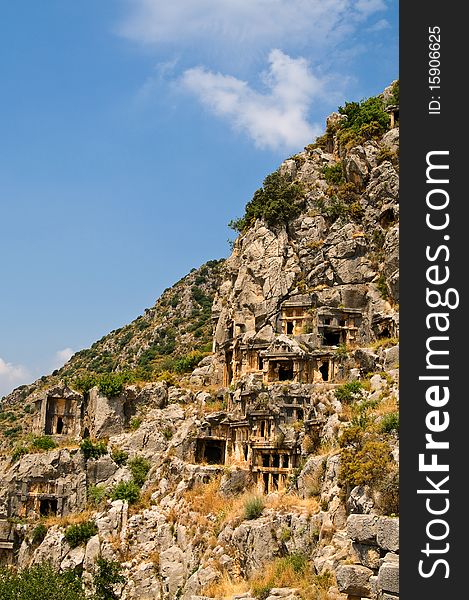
point(240, 439)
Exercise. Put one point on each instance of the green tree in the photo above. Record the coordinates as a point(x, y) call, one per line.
point(40, 582)
point(277, 201)
point(106, 577)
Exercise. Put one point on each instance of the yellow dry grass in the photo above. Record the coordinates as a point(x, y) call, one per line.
point(387, 405)
point(292, 503)
point(226, 587)
point(67, 520)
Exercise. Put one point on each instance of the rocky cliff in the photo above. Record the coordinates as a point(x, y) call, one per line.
point(271, 470)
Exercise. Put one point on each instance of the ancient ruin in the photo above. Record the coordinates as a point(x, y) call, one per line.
point(59, 412)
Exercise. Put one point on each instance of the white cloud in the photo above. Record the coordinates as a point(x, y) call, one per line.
point(245, 25)
point(11, 376)
point(276, 119)
point(62, 356)
point(380, 25)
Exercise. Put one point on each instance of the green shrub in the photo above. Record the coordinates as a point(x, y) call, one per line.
point(126, 490)
point(38, 534)
point(92, 449)
point(139, 468)
point(43, 442)
point(298, 562)
point(8, 416)
point(13, 432)
point(188, 362)
point(389, 422)
point(109, 384)
point(276, 202)
point(112, 384)
point(366, 465)
point(366, 120)
point(382, 287)
point(18, 452)
point(167, 433)
point(107, 575)
point(119, 456)
point(385, 153)
point(348, 392)
point(334, 174)
point(79, 534)
point(96, 494)
point(253, 508)
point(341, 202)
point(84, 383)
point(39, 582)
point(135, 423)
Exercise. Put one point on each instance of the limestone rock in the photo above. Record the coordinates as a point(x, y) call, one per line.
point(388, 577)
point(354, 580)
point(388, 533)
point(362, 528)
point(235, 482)
point(368, 556)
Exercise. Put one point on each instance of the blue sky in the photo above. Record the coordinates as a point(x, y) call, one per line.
point(133, 131)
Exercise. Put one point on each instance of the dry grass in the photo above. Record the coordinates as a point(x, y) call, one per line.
point(67, 520)
point(387, 405)
point(292, 503)
point(214, 406)
point(293, 571)
point(206, 501)
point(206, 498)
point(385, 343)
point(226, 587)
point(327, 447)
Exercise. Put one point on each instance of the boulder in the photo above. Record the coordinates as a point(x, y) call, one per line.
point(388, 577)
point(354, 580)
point(235, 482)
point(387, 535)
point(391, 358)
point(362, 528)
point(368, 556)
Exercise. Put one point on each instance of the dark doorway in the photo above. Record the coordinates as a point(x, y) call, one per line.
point(331, 338)
point(245, 450)
point(285, 371)
point(266, 483)
point(60, 425)
point(276, 461)
point(274, 482)
point(228, 367)
point(289, 327)
point(285, 461)
point(262, 429)
point(324, 370)
point(211, 451)
point(266, 460)
point(47, 507)
point(384, 334)
point(50, 412)
point(260, 362)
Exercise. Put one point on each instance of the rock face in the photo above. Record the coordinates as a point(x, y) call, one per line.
point(240, 479)
point(323, 280)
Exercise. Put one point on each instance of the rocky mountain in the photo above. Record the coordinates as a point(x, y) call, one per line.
point(268, 471)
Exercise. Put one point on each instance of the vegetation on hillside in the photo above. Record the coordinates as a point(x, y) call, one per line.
point(277, 201)
point(171, 337)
